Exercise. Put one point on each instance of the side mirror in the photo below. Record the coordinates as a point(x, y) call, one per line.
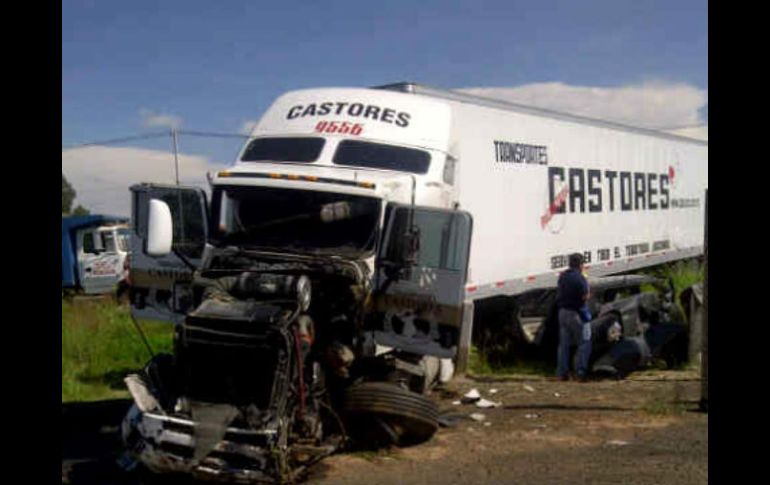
point(405, 258)
point(160, 229)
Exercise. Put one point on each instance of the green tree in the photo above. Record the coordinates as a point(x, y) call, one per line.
point(80, 211)
point(67, 195)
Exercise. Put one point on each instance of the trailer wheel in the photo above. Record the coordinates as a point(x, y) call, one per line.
point(380, 414)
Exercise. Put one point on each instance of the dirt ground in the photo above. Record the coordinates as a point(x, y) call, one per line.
point(642, 430)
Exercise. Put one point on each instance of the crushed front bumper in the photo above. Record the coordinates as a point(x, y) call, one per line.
point(167, 444)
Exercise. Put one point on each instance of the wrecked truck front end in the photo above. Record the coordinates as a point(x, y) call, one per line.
point(297, 314)
point(241, 399)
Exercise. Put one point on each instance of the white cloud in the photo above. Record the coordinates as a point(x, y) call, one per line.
point(674, 107)
point(101, 176)
point(247, 127)
point(151, 119)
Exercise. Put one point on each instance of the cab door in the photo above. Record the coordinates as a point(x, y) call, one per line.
point(160, 286)
point(98, 260)
point(420, 279)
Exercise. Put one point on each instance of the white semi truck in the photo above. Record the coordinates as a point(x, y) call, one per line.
point(348, 243)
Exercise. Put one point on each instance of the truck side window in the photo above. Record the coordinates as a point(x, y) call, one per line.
point(441, 238)
point(88, 243)
point(108, 242)
point(188, 222)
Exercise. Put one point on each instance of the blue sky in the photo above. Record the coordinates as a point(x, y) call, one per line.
point(214, 65)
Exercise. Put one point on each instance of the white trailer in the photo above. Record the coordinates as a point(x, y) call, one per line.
point(541, 185)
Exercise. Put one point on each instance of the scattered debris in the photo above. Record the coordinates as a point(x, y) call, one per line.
point(493, 391)
point(528, 388)
point(531, 415)
point(456, 403)
point(618, 443)
point(556, 394)
point(448, 421)
point(484, 403)
point(487, 424)
point(478, 417)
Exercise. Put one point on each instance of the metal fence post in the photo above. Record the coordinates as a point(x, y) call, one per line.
point(704, 400)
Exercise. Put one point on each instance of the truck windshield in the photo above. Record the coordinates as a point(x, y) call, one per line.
point(288, 149)
point(375, 155)
point(295, 220)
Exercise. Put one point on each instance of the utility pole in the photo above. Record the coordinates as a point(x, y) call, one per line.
point(176, 156)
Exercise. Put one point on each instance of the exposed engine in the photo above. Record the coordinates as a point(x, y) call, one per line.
point(259, 377)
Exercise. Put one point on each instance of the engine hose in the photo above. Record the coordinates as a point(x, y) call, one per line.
point(300, 372)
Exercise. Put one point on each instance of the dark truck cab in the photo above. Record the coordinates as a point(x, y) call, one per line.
point(302, 318)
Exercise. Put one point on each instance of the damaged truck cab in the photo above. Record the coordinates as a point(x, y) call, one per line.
point(317, 294)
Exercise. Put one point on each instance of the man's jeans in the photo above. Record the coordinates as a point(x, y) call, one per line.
point(573, 331)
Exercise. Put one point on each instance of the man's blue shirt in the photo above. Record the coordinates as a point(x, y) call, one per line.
point(572, 288)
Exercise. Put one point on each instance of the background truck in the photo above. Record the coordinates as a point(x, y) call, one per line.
point(93, 252)
point(338, 262)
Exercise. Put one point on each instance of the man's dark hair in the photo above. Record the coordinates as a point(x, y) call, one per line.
point(575, 260)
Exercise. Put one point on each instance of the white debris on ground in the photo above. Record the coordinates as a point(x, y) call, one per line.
point(528, 388)
point(556, 394)
point(484, 403)
point(531, 415)
point(618, 443)
point(487, 424)
point(456, 403)
point(493, 391)
point(472, 394)
point(478, 417)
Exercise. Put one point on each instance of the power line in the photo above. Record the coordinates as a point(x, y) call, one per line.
point(213, 135)
point(116, 140)
point(147, 136)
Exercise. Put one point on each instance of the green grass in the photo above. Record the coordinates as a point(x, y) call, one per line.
point(100, 345)
point(479, 365)
point(683, 273)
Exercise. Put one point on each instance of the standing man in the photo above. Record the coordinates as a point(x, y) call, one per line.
point(571, 298)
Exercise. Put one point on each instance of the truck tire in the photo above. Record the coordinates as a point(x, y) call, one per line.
point(380, 414)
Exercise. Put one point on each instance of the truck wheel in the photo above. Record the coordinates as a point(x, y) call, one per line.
point(381, 414)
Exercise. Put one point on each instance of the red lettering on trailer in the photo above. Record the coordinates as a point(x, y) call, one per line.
point(554, 208)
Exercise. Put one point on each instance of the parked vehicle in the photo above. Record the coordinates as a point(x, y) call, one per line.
point(332, 277)
point(94, 249)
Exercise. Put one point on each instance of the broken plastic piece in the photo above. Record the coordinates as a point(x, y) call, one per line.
point(484, 403)
point(471, 396)
point(478, 417)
